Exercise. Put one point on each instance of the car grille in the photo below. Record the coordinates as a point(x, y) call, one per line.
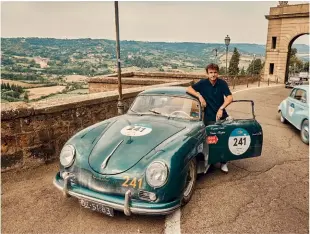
point(144, 195)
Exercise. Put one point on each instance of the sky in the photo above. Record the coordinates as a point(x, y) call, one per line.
point(207, 22)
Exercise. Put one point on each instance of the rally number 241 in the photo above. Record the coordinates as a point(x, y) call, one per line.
point(134, 182)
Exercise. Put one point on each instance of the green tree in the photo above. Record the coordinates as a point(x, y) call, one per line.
point(174, 66)
point(306, 66)
point(255, 67)
point(26, 96)
point(295, 64)
point(233, 68)
point(32, 63)
point(222, 71)
point(242, 72)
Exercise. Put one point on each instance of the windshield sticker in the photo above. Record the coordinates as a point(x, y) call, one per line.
point(136, 130)
point(291, 109)
point(239, 141)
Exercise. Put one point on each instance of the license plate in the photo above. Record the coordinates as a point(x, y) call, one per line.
point(97, 207)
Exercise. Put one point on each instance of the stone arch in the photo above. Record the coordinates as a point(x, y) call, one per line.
point(286, 24)
point(288, 52)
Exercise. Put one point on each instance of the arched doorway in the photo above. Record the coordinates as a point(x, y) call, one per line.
point(286, 23)
point(288, 54)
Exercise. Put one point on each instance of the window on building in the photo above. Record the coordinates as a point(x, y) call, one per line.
point(274, 42)
point(271, 68)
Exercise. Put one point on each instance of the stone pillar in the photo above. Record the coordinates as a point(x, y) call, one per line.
point(286, 23)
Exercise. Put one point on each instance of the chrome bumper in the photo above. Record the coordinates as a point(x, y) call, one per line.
point(126, 208)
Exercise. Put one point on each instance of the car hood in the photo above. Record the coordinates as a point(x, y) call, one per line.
point(128, 140)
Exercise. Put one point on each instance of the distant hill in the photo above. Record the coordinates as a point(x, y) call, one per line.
point(97, 56)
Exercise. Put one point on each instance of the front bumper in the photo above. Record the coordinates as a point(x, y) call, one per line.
point(125, 204)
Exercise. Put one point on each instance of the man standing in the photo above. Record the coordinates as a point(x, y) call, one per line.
point(211, 94)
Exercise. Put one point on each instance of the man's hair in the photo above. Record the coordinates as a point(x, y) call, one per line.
point(212, 66)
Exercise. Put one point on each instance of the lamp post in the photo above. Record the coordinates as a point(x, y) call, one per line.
point(215, 50)
point(120, 105)
point(253, 64)
point(227, 41)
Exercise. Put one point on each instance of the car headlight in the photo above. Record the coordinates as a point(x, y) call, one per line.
point(157, 174)
point(67, 155)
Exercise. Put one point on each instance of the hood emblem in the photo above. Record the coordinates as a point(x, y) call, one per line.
point(105, 162)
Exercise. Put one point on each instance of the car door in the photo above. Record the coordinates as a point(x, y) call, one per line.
point(290, 105)
point(300, 105)
point(234, 139)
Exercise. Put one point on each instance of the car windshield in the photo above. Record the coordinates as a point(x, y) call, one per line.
point(179, 107)
point(294, 78)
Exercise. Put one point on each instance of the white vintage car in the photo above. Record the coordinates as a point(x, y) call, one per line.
point(301, 79)
point(295, 109)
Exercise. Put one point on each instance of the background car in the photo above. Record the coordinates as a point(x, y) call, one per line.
point(300, 79)
point(147, 161)
point(295, 109)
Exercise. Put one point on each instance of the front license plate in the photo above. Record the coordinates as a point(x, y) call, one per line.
point(97, 207)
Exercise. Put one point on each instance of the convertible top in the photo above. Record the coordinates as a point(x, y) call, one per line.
point(169, 91)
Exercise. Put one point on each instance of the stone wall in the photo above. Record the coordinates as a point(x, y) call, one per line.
point(102, 84)
point(131, 79)
point(34, 133)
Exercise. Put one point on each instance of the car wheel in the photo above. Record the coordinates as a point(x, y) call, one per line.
point(282, 119)
point(304, 132)
point(190, 182)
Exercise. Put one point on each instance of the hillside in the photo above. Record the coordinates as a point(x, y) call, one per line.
point(97, 56)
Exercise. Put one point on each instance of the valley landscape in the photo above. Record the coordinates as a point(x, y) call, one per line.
point(46, 67)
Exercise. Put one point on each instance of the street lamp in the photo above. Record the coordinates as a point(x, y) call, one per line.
point(227, 41)
point(120, 105)
point(215, 50)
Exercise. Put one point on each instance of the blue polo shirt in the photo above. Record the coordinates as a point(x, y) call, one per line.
point(213, 95)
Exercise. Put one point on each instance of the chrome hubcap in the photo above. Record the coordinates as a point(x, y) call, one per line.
point(190, 179)
point(305, 131)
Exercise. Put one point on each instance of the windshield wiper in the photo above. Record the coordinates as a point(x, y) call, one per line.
point(155, 112)
point(136, 112)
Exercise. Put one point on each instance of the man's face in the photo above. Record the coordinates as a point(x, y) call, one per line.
point(213, 74)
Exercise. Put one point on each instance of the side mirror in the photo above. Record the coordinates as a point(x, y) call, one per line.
point(126, 107)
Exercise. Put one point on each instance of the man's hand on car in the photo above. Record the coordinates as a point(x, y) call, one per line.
point(202, 101)
point(219, 114)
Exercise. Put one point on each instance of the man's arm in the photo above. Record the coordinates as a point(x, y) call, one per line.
point(193, 92)
point(227, 101)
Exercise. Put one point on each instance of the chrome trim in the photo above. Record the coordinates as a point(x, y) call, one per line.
point(165, 165)
point(66, 177)
point(118, 206)
point(104, 164)
point(127, 205)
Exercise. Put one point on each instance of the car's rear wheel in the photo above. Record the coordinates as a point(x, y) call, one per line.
point(190, 182)
point(304, 132)
point(282, 119)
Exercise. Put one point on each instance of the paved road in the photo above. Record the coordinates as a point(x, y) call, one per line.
point(262, 195)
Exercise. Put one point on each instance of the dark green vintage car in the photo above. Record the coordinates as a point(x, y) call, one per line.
point(147, 161)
